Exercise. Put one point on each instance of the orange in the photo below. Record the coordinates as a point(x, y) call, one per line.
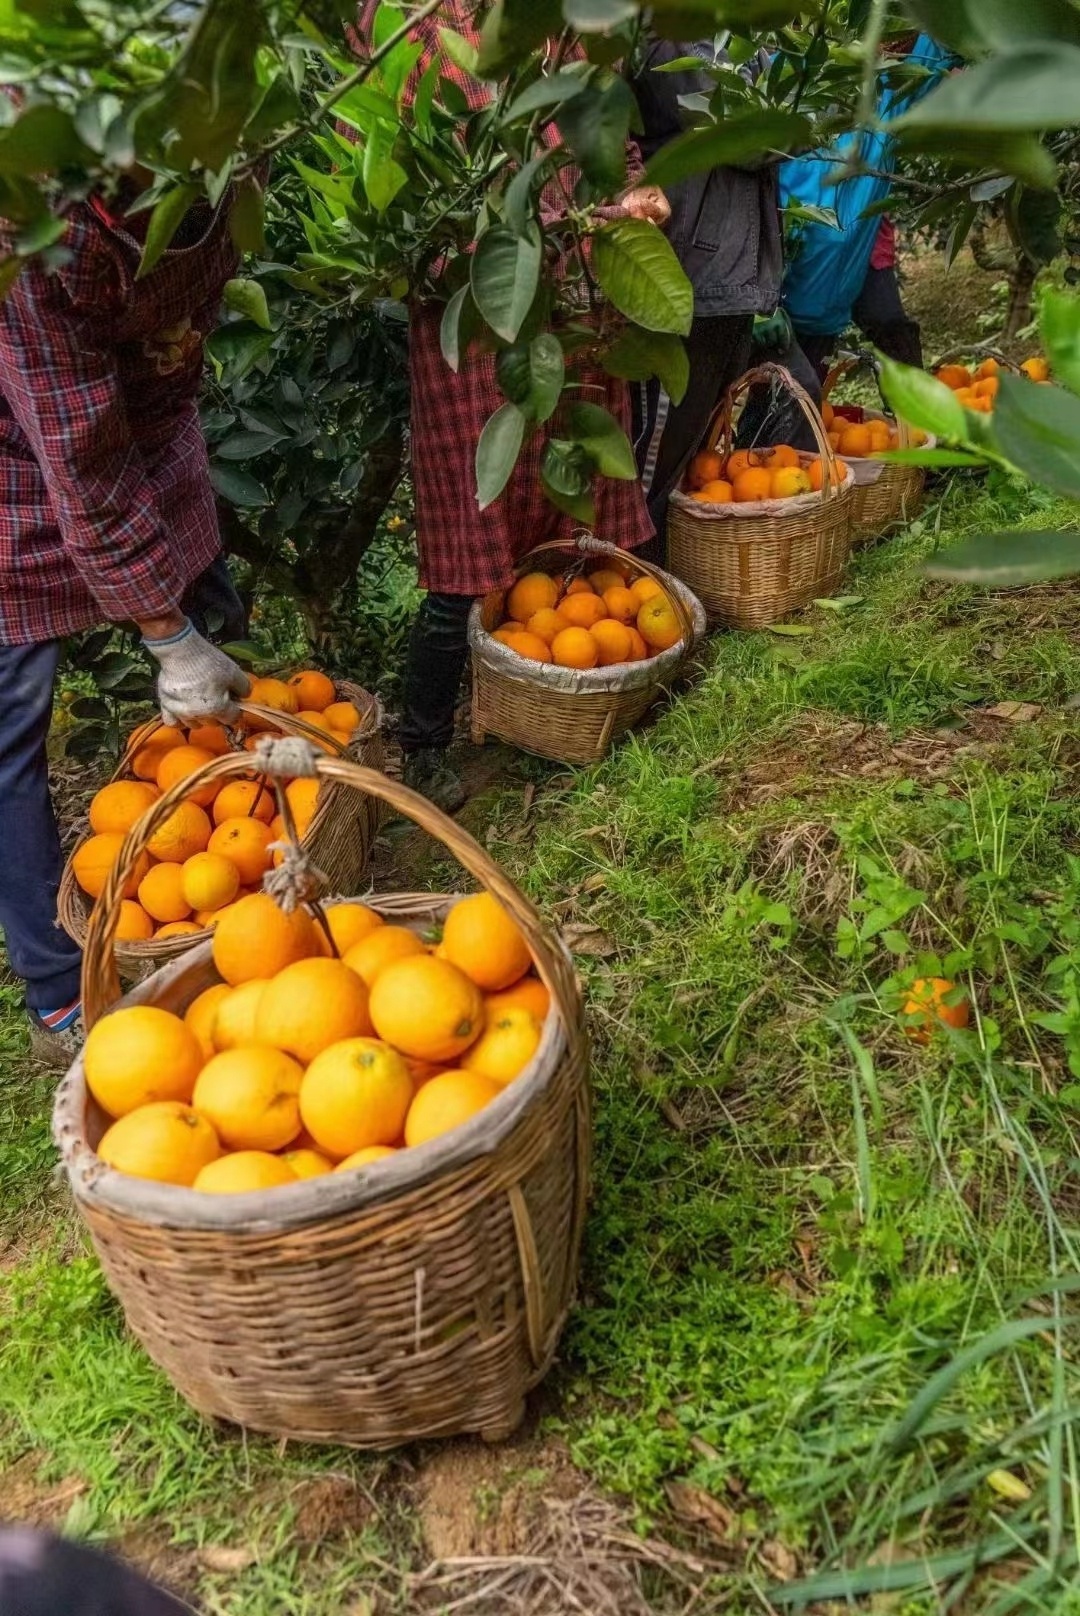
point(530, 646)
point(644, 589)
point(342, 736)
point(619, 603)
point(243, 1172)
point(316, 720)
point(246, 844)
point(614, 641)
point(544, 625)
point(384, 946)
point(427, 1007)
point(639, 651)
point(988, 387)
point(579, 586)
point(365, 1158)
point(233, 1025)
point(116, 808)
point(302, 797)
point(256, 938)
point(146, 758)
point(179, 765)
point(606, 578)
point(355, 1094)
point(311, 1005)
point(95, 858)
point(750, 486)
point(314, 691)
point(927, 1007)
point(165, 1141)
point(706, 467)
point(179, 928)
point(816, 473)
point(741, 461)
point(251, 1097)
point(828, 414)
point(529, 994)
point(716, 493)
point(530, 595)
point(308, 1163)
point(210, 881)
point(485, 942)
point(981, 405)
point(834, 440)
point(342, 715)
point(879, 435)
point(954, 376)
point(1037, 369)
point(275, 693)
point(350, 923)
point(657, 623)
point(582, 611)
point(446, 1103)
point(186, 831)
point(135, 925)
point(790, 482)
point(576, 648)
point(505, 1047)
point(988, 369)
point(161, 893)
point(201, 1014)
point(207, 919)
point(783, 455)
point(244, 799)
point(211, 737)
point(136, 1055)
point(856, 441)
point(506, 632)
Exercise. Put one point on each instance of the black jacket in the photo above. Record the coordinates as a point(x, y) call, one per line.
point(725, 225)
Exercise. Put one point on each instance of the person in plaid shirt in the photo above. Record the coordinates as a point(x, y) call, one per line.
point(106, 515)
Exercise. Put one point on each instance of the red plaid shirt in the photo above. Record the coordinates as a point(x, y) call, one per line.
point(106, 506)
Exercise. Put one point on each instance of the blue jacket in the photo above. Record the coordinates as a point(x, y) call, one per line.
point(828, 267)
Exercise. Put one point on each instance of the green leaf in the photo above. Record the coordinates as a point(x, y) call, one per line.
point(384, 177)
point(732, 142)
point(640, 275)
point(459, 50)
point(247, 297)
point(598, 16)
point(165, 221)
point(1038, 429)
point(1015, 152)
point(922, 400)
point(1060, 323)
point(10, 268)
point(512, 30)
point(460, 324)
point(532, 374)
point(247, 217)
point(930, 457)
point(566, 476)
point(42, 140)
point(497, 453)
point(1008, 560)
point(603, 440)
point(238, 487)
point(638, 355)
point(974, 27)
point(1036, 220)
point(1034, 87)
point(505, 275)
point(596, 127)
point(551, 91)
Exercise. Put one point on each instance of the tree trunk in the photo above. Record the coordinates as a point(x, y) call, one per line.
point(1021, 299)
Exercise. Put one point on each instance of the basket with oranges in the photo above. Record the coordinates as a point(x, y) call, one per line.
point(888, 494)
point(977, 387)
point(219, 843)
point(578, 649)
point(335, 1159)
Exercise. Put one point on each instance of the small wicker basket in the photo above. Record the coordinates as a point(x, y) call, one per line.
point(423, 1296)
point(339, 840)
point(562, 713)
point(752, 564)
point(887, 496)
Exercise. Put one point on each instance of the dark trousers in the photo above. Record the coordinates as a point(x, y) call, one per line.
point(438, 652)
point(880, 315)
point(30, 860)
point(41, 1575)
point(667, 435)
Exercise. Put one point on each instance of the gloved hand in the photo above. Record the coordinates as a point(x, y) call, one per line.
point(197, 681)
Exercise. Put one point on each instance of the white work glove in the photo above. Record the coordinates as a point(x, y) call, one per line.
point(197, 681)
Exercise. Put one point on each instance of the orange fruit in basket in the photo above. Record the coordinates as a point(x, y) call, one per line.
point(613, 638)
point(135, 925)
point(210, 881)
point(308, 1163)
point(575, 648)
point(365, 1158)
point(257, 939)
point(706, 467)
point(856, 441)
point(579, 586)
point(276, 694)
point(251, 1096)
point(161, 893)
point(383, 947)
point(989, 368)
point(234, 1019)
point(166, 1141)
point(350, 923)
point(355, 1094)
point(246, 844)
point(606, 578)
point(117, 807)
point(582, 611)
point(211, 737)
point(486, 942)
point(446, 1103)
point(139, 1054)
point(316, 720)
point(240, 799)
point(828, 414)
point(529, 994)
point(988, 387)
point(342, 715)
point(428, 1008)
point(927, 1003)
point(315, 692)
point(311, 1005)
point(816, 473)
point(740, 461)
point(201, 1014)
point(505, 1047)
point(789, 482)
point(505, 632)
point(620, 604)
point(717, 493)
point(146, 757)
point(781, 456)
point(954, 376)
point(879, 435)
point(92, 862)
point(179, 765)
point(529, 646)
point(981, 405)
point(179, 928)
point(1037, 369)
point(302, 797)
point(544, 625)
point(658, 624)
point(639, 651)
point(834, 440)
point(242, 1172)
point(186, 831)
point(644, 589)
point(750, 486)
point(531, 594)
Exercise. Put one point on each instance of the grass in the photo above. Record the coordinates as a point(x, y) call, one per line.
point(829, 1282)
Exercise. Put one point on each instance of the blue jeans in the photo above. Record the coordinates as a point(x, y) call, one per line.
point(30, 860)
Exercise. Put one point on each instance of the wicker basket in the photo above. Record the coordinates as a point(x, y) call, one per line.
point(753, 564)
point(339, 840)
point(887, 496)
point(562, 713)
point(421, 1297)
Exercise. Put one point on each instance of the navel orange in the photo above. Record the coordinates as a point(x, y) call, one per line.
point(383, 947)
point(210, 882)
point(245, 799)
point(251, 1098)
point(165, 1141)
point(311, 1005)
point(928, 1006)
point(446, 1103)
point(201, 1015)
point(257, 939)
point(135, 925)
point(355, 1094)
point(620, 604)
point(789, 482)
point(314, 691)
point(139, 1054)
point(276, 694)
point(576, 648)
point(186, 831)
point(93, 861)
point(544, 625)
point(505, 1047)
point(245, 843)
point(179, 765)
point(211, 738)
point(749, 487)
point(308, 1163)
point(856, 441)
point(234, 1022)
point(657, 623)
point(485, 942)
point(161, 893)
point(529, 646)
point(428, 1008)
point(613, 639)
point(529, 994)
point(116, 807)
point(706, 467)
point(582, 611)
point(531, 594)
point(365, 1158)
point(243, 1172)
point(350, 923)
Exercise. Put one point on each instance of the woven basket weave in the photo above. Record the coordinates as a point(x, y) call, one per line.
point(887, 496)
point(423, 1296)
point(339, 840)
point(562, 713)
point(751, 565)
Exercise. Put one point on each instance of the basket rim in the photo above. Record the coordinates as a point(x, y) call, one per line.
point(310, 1201)
point(804, 509)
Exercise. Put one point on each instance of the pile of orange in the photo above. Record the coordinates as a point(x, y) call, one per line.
point(216, 846)
point(864, 440)
point(598, 621)
point(978, 389)
point(747, 476)
point(306, 1059)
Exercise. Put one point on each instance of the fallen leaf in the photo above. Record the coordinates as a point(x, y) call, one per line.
point(595, 883)
point(700, 1508)
point(590, 941)
point(1006, 1485)
point(223, 1560)
point(842, 603)
point(1014, 712)
point(778, 1559)
point(793, 630)
point(528, 797)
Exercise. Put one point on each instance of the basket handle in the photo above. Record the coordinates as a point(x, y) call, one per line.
point(101, 981)
point(721, 428)
point(288, 722)
point(589, 545)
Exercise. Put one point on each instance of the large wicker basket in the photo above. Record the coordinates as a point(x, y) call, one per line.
point(339, 840)
point(421, 1297)
point(753, 564)
point(568, 714)
point(887, 495)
